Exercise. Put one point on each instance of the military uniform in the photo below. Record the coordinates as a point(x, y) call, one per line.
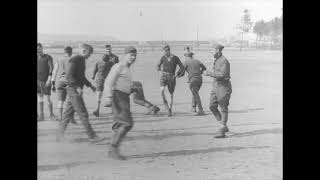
point(221, 90)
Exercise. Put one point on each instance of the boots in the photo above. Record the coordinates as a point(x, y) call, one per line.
point(224, 128)
point(153, 110)
point(115, 142)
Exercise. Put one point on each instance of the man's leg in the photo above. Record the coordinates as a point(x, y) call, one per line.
point(79, 106)
point(99, 95)
point(214, 106)
point(139, 98)
point(67, 116)
point(50, 107)
point(195, 92)
point(165, 102)
point(41, 112)
point(224, 103)
point(171, 87)
point(123, 122)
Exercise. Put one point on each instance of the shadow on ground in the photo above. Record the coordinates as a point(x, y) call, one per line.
point(152, 155)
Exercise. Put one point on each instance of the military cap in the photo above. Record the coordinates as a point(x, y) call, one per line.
point(188, 54)
point(108, 46)
point(219, 46)
point(130, 49)
point(166, 47)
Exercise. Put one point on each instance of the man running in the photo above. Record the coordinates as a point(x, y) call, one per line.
point(59, 81)
point(75, 76)
point(45, 67)
point(194, 68)
point(117, 91)
point(100, 72)
point(221, 89)
point(169, 63)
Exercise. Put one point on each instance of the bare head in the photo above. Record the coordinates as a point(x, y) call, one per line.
point(86, 50)
point(188, 55)
point(39, 49)
point(166, 50)
point(130, 55)
point(68, 51)
point(108, 49)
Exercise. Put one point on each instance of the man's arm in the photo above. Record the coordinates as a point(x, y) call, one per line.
point(159, 64)
point(222, 73)
point(111, 79)
point(50, 64)
point(181, 71)
point(203, 67)
point(95, 71)
point(55, 71)
point(84, 79)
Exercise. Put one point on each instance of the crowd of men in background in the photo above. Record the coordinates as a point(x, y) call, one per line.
point(113, 79)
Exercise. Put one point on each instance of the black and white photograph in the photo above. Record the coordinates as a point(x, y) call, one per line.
point(159, 90)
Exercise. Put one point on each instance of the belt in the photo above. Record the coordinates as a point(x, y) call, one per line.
point(167, 73)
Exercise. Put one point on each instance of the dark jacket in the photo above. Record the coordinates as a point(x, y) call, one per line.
point(75, 73)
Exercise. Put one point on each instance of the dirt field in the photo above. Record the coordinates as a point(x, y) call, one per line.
point(182, 146)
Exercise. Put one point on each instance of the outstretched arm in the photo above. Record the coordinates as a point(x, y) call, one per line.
point(222, 73)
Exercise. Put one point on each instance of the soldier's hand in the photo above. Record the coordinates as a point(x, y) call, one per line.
point(108, 102)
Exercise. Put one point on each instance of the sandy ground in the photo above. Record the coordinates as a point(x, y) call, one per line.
point(182, 146)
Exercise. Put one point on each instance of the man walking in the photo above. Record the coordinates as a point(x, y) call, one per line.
point(117, 91)
point(45, 67)
point(221, 89)
point(59, 82)
point(100, 73)
point(75, 76)
point(169, 63)
point(194, 69)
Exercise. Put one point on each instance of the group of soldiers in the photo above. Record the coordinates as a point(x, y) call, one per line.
point(113, 79)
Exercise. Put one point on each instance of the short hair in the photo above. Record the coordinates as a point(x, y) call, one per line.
point(130, 49)
point(166, 47)
point(68, 49)
point(108, 46)
point(39, 44)
point(87, 47)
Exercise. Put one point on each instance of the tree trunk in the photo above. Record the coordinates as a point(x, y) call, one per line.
point(257, 42)
point(241, 41)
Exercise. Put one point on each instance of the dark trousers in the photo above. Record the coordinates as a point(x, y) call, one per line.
point(195, 85)
point(75, 103)
point(138, 95)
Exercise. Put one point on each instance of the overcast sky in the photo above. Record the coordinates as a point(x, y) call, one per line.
point(165, 19)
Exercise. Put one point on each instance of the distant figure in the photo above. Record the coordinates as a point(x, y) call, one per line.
point(221, 89)
point(194, 68)
point(101, 71)
point(75, 76)
point(59, 82)
point(45, 67)
point(117, 91)
point(169, 63)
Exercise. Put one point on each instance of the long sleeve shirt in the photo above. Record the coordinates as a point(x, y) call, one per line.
point(119, 78)
point(103, 67)
point(169, 65)
point(221, 69)
point(194, 68)
point(75, 73)
point(45, 67)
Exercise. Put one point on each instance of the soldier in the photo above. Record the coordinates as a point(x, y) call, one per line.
point(75, 76)
point(169, 63)
point(45, 67)
point(100, 73)
point(59, 81)
point(194, 68)
point(117, 91)
point(221, 89)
